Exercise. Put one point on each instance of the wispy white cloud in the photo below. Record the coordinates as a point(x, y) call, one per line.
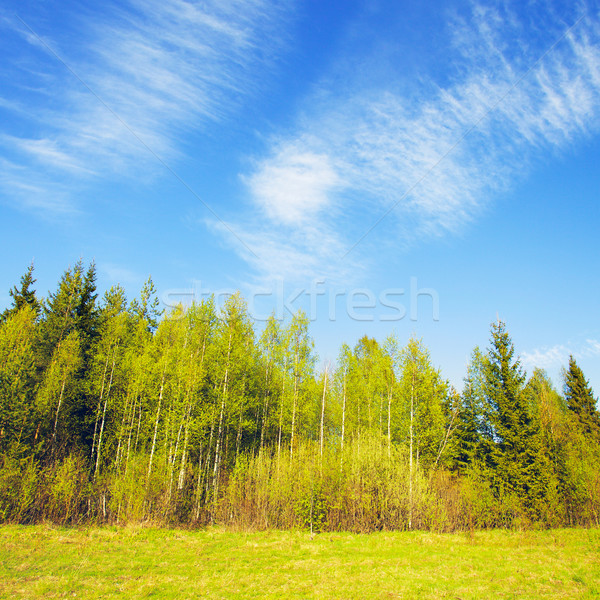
point(557, 356)
point(290, 253)
point(294, 186)
point(135, 80)
point(31, 191)
point(48, 152)
point(434, 162)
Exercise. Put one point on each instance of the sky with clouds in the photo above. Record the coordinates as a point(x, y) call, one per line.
point(385, 166)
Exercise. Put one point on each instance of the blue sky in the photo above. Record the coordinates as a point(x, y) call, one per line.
point(384, 165)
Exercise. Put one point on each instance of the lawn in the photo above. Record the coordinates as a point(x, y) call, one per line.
point(138, 562)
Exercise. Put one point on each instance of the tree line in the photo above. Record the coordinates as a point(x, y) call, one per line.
point(111, 411)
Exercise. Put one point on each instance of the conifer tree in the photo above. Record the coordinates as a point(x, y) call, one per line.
point(472, 432)
point(23, 296)
point(580, 400)
point(60, 313)
point(517, 460)
point(87, 311)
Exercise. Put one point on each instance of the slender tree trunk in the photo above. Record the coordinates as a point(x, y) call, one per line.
point(282, 401)
point(208, 450)
point(199, 485)
point(60, 399)
point(295, 403)
point(358, 427)
point(220, 433)
point(449, 431)
point(265, 404)
point(389, 423)
point(99, 405)
point(181, 478)
point(343, 419)
point(160, 397)
point(121, 433)
point(99, 449)
point(323, 415)
point(238, 440)
point(218, 446)
point(188, 412)
point(131, 427)
point(410, 477)
point(172, 460)
point(139, 425)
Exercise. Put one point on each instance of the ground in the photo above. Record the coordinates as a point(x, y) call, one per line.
point(140, 562)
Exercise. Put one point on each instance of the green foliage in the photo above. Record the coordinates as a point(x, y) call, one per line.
point(17, 381)
point(56, 397)
point(25, 296)
point(580, 400)
point(19, 488)
point(513, 452)
point(312, 509)
point(472, 428)
point(147, 308)
point(110, 413)
point(68, 491)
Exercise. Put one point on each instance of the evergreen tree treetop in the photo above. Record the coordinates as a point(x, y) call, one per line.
point(22, 296)
point(503, 383)
point(580, 398)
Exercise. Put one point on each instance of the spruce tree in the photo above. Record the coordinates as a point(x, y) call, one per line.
point(71, 312)
point(580, 400)
point(23, 296)
point(470, 433)
point(60, 314)
point(87, 311)
point(517, 460)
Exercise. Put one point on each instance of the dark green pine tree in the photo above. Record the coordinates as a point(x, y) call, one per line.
point(518, 459)
point(87, 310)
point(580, 400)
point(61, 313)
point(70, 313)
point(88, 327)
point(469, 437)
point(22, 296)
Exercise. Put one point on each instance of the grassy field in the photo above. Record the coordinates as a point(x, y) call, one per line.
point(135, 562)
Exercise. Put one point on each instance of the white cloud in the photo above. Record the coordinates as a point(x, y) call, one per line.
point(34, 193)
point(47, 151)
point(136, 80)
point(294, 186)
point(433, 163)
point(558, 356)
point(546, 358)
point(294, 255)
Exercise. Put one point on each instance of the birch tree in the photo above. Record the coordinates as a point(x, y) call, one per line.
point(17, 381)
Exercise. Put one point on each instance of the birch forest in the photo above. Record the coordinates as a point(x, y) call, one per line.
point(113, 412)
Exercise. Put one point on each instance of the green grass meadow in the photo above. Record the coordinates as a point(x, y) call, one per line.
point(142, 562)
